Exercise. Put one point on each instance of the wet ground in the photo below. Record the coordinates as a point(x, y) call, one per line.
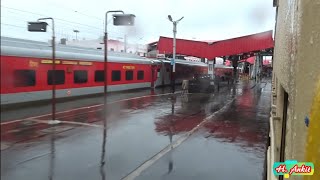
point(40, 108)
point(190, 136)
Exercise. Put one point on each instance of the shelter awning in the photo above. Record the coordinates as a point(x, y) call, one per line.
point(234, 46)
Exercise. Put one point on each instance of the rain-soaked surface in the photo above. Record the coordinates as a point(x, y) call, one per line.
point(45, 107)
point(229, 143)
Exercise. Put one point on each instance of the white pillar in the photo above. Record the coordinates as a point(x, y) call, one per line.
point(211, 67)
point(174, 46)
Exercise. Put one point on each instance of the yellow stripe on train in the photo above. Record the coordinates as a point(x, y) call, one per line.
point(49, 61)
point(128, 67)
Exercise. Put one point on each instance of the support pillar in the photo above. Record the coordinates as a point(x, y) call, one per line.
point(255, 67)
point(235, 68)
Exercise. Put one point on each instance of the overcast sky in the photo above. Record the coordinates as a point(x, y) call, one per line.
point(203, 19)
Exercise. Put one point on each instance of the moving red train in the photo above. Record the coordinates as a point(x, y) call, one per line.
point(26, 71)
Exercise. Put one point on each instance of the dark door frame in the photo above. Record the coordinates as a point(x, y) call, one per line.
point(284, 129)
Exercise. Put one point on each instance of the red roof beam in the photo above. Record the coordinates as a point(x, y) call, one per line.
point(185, 47)
point(244, 44)
point(239, 45)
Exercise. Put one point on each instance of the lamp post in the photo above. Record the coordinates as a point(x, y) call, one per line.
point(105, 41)
point(40, 26)
point(118, 20)
point(76, 31)
point(173, 64)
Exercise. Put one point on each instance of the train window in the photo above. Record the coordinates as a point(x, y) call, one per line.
point(59, 77)
point(129, 75)
point(80, 76)
point(140, 75)
point(99, 76)
point(116, 75)
point(24, 78)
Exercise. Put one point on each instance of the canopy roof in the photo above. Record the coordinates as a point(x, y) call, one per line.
point(210, 50)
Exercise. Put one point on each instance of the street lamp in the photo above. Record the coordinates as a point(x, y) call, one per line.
point(40, 26)
point(118, 20)
point(173, 64)
point(76, 31)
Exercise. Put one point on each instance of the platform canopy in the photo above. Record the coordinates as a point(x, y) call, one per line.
point(235, 46)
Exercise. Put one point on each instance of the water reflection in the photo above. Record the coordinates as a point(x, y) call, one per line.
point(103, 154)
point(152, 92)
point(21, 131)
point(244, 123)
point(104, 140)
point(171, 133)
point(178, 126)
point(170, 166)
point(52, 152)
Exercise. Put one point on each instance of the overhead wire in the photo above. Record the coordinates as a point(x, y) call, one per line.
point(70, 25)
point(62, 34)
point(54, 18)
point(16, 26)
point(70, 28)
point(60, 19)
point(92, 30)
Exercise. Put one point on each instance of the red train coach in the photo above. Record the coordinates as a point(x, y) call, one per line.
point(26, 71)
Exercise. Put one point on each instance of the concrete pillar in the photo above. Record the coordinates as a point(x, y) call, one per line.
point(211, 67)
point(235, 67)
point(256, 67)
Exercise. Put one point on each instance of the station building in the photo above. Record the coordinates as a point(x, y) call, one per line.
point(295, 123)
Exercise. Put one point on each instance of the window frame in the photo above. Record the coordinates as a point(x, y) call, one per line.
point(95, 76)
point(138, 76)
point(26, 83)
point(80, 81)
point(112, 75)
point(50, 80)
point(132, 76)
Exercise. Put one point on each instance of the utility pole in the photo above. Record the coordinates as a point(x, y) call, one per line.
point(173, 64)
point(235, 67)
point(41, 26)
point(118, 20)
point(125, 43)
point(76, 31)
point(256, 66)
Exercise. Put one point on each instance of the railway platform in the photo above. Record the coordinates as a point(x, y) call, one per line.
point(148, 136)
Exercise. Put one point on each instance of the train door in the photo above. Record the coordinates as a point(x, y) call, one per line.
point(157, 76)
point(167, 74)
point(160, 74)
point(154, 76)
